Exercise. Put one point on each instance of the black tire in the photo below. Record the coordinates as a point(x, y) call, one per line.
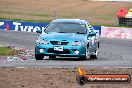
point(93, 57)
point(52, 57)
point(82, 58)
point(98, 45)
point(39, 56)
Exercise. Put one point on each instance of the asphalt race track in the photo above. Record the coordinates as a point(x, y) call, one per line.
point(113, 52)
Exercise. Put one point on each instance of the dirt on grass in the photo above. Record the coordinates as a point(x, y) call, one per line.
point(8, 51)
point(97, 13)
point(54, 78)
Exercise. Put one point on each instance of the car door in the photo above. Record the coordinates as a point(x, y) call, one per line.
point(92, 44)
point(92, 40)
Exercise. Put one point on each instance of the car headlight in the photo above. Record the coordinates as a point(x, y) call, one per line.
point(77, 43)
point(41, 41)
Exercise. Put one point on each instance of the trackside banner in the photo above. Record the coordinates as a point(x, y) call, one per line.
point(21, 26)
point(116, 32)
point(28, 26)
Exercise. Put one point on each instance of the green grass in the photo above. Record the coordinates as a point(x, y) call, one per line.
point(49, 20)
point(16, 19)
point(46, 20)
point(4, 51)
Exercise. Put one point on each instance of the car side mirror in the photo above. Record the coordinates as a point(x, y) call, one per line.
point(39, 31)
point(91, 34)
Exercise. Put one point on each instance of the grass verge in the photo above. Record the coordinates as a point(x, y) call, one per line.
point(6, 51)
point(49, 20)
point(27, 20)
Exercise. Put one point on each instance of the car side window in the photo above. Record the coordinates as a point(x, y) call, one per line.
point(90, 28)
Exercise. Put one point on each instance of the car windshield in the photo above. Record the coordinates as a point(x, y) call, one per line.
point(62, 27)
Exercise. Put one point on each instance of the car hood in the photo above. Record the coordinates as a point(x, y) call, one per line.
point(63, 36)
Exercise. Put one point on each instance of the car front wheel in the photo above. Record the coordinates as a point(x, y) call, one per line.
point(86, 57)
point(96, 54)
point(52, 57)
point(39, 56)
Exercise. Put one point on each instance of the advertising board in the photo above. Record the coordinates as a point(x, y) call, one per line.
point(22, 26)
point(116, 32)
point(29, 26)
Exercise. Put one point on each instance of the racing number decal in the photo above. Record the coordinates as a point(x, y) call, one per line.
point(92, 40)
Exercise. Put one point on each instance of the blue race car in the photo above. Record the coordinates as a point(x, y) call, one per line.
point(68, 38)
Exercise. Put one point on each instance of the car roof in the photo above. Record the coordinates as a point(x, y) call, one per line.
point(71, 21)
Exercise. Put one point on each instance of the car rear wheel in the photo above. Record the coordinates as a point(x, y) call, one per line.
point(39, 56)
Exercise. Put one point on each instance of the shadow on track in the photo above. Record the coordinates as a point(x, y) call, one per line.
point(67, 59)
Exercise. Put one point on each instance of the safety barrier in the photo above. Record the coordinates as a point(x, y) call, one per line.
point(29, 26)
point(112, 32)
point(21, 26)
point(116, 32)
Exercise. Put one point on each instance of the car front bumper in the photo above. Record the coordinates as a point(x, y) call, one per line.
point(68, 51)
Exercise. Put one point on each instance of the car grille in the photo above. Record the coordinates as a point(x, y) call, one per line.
point(58, 43)
point(65, 51)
